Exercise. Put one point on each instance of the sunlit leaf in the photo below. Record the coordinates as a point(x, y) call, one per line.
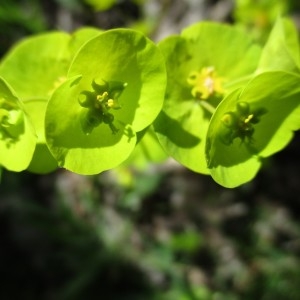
point(17, 136)
point(101, 4)
point(71, 146)
point(281, 51)
point(124, 55)
point(236, 145)
point(115, 88)
point(35, 66)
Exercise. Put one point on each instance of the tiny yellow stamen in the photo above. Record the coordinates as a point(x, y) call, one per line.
point(102, 97)
point(60, 80)
point(248, 119)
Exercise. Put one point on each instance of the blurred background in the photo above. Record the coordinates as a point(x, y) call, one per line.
point(149, 229)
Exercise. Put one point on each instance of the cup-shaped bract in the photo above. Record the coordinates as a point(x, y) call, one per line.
point(36, 65)
point(17, 135)
point(204, 63)
point(251, 124)
point(115, 88)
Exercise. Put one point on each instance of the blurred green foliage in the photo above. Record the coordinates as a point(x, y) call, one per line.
point(258, 16)
point(168, 235)
point(101, 4)
point(19, 18)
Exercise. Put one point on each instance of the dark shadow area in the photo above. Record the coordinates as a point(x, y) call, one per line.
point(173, 130)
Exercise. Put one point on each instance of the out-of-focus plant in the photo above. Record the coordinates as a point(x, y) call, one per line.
point(258, 16)
point(19, 18)
point(100, 4)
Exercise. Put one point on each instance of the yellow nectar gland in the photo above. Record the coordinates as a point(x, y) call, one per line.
point(102, 97)
point(59, 81)
point(205, 83)
point(110, 103)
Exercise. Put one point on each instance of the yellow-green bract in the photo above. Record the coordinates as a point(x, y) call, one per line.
point(17, 135)
point(276, 94)
point(204, 63)
point(88, 136)
point(273, 96)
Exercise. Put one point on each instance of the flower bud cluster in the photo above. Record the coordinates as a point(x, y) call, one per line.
point(240, 123)
point(98, 103)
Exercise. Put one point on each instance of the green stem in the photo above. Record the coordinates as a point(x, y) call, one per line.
point(211, 109)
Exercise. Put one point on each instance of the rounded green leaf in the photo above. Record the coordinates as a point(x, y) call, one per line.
point(126, 56)
point(81, 36)
point(36, 65)
point(17, 136)
point(76, 150)
point(283, 43)
point(238, 138)
point(227, 48)
point(115, 88)
point(204, 63)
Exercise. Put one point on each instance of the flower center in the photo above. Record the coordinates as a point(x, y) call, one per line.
point(98, 103)
point(240, 123)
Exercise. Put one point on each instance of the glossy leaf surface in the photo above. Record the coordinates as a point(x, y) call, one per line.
point(17, 136)
point(75, 150)
point(233, 159)
point(88, 137)
point(124, 55)
point(281, 51)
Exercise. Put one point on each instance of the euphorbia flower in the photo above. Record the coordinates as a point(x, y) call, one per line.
point(250, 124)
point(114, 88)
point(258, 120)
point(204, 63)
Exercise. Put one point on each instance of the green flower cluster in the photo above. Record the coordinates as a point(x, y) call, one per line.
point(240, 123)
point(216, 101)
point(98, 104)
point(64, 90)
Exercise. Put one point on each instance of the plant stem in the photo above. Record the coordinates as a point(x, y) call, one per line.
point(211, 109)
